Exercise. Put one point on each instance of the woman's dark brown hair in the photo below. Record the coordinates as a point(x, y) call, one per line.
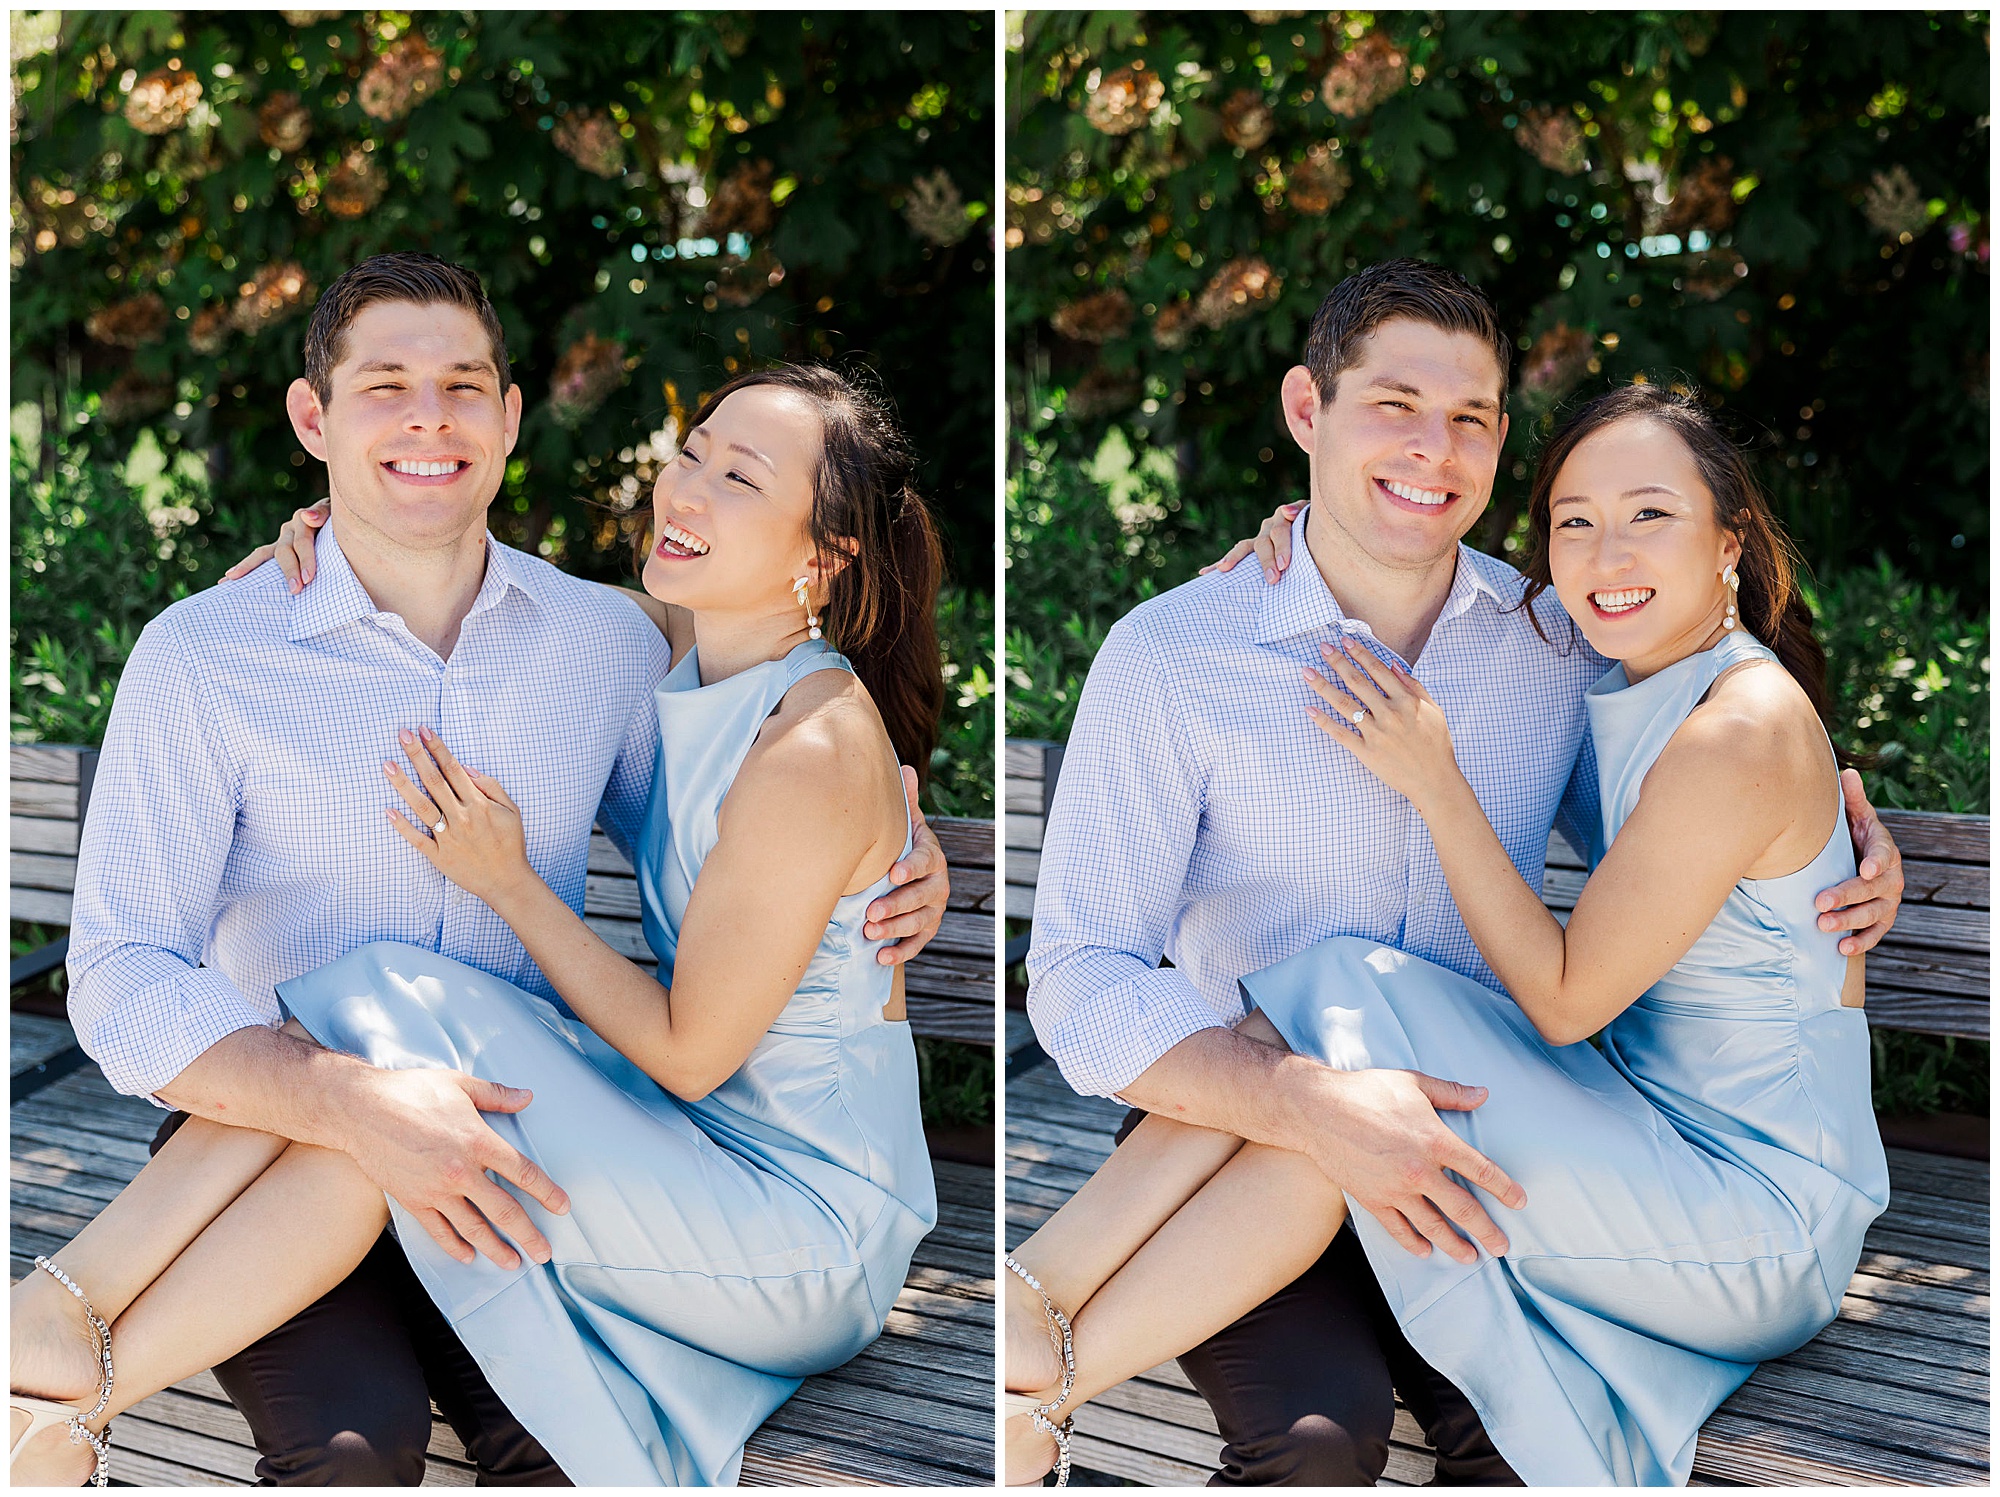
point(881, 607)
point(1768, 598)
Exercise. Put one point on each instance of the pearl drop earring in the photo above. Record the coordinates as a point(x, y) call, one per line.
point(1729, 580)
point(799, 591)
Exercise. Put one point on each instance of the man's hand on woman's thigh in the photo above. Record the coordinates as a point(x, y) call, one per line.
point(1377, 1135)
point(418, 1134)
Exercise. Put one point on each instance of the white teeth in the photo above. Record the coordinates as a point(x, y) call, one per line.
point(1623, 601)
point(683, 539)
point(426, 470)
point(1415, 495)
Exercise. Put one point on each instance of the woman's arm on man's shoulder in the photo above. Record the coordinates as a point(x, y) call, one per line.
point(669, 618)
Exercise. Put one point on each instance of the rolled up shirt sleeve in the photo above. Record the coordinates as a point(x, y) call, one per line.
point(1114, 862)
point(150, 864)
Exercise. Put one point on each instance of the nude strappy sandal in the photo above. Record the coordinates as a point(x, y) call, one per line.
point(1022, 1403)
point(43, 1413)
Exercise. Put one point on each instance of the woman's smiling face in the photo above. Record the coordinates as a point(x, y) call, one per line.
point(1635, 552)
point(730, 510)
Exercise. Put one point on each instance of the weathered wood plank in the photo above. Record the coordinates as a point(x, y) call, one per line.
point(1921, 1013)
point(35, 834)
point(33, 1038)
point(51, 763)
point(41, 870)
point(1746, 1448)
point(1025, 831)
point(42, 798)
point(39, 906)
point(965, 839)
point(1966, 884)
point(1023, 868)
point(1023, 758)
point(1942, 835)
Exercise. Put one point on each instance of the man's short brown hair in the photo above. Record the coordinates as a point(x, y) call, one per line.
point(1414, 289)
point(405, 276)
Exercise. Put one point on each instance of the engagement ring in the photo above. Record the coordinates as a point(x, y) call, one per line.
point(1359, 713)
point(438, 828)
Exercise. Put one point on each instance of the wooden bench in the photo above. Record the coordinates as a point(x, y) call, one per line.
point(1893, 1392)
point(914, 1409)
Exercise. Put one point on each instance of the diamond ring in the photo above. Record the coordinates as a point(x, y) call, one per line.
point(1359, 713)
point(438, 828)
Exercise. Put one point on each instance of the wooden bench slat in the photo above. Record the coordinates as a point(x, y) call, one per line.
point(1748, 1450)
point(1967, 884)
point(51, 763)
point(1022, 758)
point(42, 798)
point(41, 870)
point(1947, 836)
point(38, 906)
point(38, 834)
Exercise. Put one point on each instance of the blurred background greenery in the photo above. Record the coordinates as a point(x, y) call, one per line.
point(655, 199)
point(1789, 211)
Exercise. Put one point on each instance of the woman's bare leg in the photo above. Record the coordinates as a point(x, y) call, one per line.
point(197, 1173)
point(1149, 1177)
point(184, 1187)
point(1133, 1255)
point(1192, 1278)
point(298, 1229)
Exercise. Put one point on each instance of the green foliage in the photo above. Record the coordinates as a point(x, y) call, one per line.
point(1927, 1073)
point(956, 1081)
point(1912, 676)
point(98, 550)
point(1789, 208)
point(699, 191)
point(962, 765)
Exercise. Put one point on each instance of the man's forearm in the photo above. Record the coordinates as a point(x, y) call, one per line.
point(265, 1079)
point(1218, 1079)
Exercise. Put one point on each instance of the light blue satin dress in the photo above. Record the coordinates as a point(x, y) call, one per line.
point(715, 1252)
point(1698, 1189)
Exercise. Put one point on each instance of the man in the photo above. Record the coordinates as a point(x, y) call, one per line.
point(1201, 816)
point(238, 838)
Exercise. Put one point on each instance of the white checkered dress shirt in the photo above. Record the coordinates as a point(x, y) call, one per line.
point(1201, 815)
point(236, 835)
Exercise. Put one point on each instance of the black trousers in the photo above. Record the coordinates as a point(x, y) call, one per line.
point(1303, 1386)
point(340, 1395)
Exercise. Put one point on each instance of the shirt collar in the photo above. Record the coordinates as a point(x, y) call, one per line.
point(1476, 574)
point(1301, 602)
point(336, 597)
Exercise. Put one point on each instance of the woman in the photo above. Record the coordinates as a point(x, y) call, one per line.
point(741, 1141)
point(1698, 1188)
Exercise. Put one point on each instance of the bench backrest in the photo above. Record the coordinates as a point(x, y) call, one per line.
point(1932, 975)
point(949, 986)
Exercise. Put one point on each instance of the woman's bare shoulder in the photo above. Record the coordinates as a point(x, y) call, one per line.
point(1756, 739)
point(826, 725)
point(826, 756)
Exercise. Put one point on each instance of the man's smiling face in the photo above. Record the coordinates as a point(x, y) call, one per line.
point(416, 430)
point(1403, 456)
